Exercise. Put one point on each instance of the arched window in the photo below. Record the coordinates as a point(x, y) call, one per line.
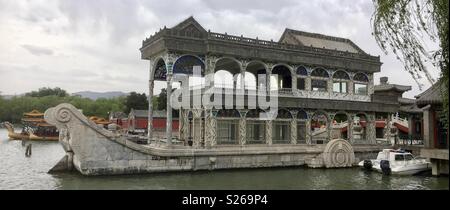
point(319, 81)
point(319, 128)
point(186, 63)
point(284, 78)
point(319, 72)
point(228, 126)
point(160, 70)
point(360, 77)
point(249, 81)
point(256, 127)
point(223, 79)
point(258, 70)
point(302, 73)
point(340, 127)
point(360, 128)
point(341, 75)
point(340, 82)
point(226, 67)
point(281, 127)
point(360, 84)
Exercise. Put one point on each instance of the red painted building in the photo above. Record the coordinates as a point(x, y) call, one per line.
point(138, 120)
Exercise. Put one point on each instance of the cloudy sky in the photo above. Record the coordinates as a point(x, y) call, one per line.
point(93, 45)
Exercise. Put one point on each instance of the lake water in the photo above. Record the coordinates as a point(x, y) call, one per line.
point(20, 172)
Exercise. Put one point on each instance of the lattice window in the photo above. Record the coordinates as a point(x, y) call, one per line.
point(360, 77)
point(281, 132)
point(256, 132)
point(320, 73)
point(301, 71)
point(341, 75)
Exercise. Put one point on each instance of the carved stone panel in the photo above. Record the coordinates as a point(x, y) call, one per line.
point(242, 130)
point(338, 153)
point(294, 131)
point(269, 132)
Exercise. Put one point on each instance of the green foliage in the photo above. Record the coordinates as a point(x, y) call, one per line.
point(12, 109)
point(162, 100)
point(46, 91)
point(401, 26)
point(136, 101)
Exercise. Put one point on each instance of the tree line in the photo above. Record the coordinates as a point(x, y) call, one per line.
point(12, 109)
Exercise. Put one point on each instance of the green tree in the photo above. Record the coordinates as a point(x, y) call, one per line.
point(162, 100)
point(136, 101)
point(155, 101)
point(46, 91)
point(12, 109)
point(401, 26)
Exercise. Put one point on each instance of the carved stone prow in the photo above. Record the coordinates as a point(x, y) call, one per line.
point(76, 134)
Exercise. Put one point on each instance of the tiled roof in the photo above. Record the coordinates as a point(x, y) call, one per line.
point(431, 96)
point(315, 40)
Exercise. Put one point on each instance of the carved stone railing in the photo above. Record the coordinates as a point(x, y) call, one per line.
point(401, 121)
point(259, 43)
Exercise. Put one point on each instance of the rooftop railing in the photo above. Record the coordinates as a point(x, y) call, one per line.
point(259, 43)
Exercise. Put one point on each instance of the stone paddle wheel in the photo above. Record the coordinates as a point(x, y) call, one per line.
point(338, 153)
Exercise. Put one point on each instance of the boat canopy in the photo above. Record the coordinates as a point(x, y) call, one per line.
point(34, 113)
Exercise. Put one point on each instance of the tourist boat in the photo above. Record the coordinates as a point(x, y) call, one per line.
point(399, 162)
point(34, 128)
point(100, 121)
point(13, 135)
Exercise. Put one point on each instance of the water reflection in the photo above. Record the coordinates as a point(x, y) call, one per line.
point(20, 172)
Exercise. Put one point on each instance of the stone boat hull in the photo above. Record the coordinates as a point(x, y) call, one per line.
point(93, 150)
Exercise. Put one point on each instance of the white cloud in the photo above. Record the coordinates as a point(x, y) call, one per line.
point(93, 45)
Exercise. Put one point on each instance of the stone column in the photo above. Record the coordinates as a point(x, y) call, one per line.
point(308, 84)
point(387, 129)
point(210, 64)
point(197, 124)
point(350, 87)
point(330, 86)
point(435, 167)
point(294, 80)
point(371, 132)
point(242, 130)
point(201, 130)
point(150, 111)
point(308, 130)
point(213, 125)
point(169, 110)
point(208, 128)
point(294, 131)
point(186, 125)
point(269, 132)
point(268, 75)
point(370, 85)
point(329, 127)
point(240, 92)
point(350, 129)
point(428, 127)
point(180, 124)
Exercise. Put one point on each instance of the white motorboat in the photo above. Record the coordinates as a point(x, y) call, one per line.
point(396, 162)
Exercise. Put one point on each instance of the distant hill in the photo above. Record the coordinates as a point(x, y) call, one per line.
point(7, 96)
point(95, 95)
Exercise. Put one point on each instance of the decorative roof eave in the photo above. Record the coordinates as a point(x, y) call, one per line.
point(410, 109)
point(174, 33)
point(406, 101)
point(289, 31)
point(398, 88)
point(431, 96)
